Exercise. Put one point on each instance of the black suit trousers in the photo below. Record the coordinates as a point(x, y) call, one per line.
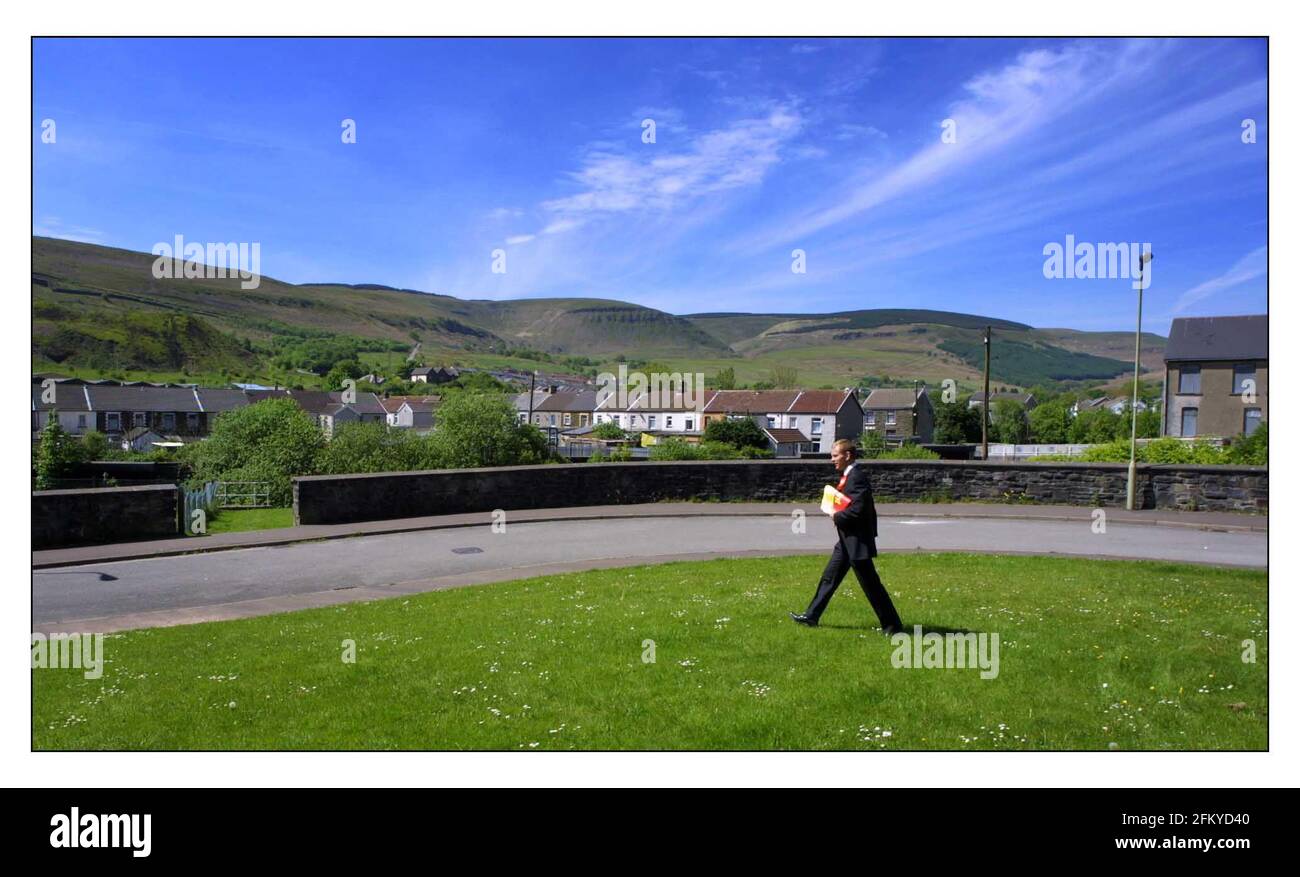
point(865, 570)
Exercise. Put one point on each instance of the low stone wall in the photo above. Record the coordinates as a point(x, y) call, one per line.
point(62, 518)
point(332, 499)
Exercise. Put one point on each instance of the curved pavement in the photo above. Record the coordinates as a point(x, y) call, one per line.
point(241, 582)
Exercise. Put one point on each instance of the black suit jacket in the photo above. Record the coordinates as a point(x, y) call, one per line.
point(857, 523)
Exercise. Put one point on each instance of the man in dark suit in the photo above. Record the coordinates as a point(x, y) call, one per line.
point(856, 526)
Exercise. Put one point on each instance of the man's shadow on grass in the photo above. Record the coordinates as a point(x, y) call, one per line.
point(909, 629)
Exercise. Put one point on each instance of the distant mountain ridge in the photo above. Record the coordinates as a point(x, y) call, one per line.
point(103, 282)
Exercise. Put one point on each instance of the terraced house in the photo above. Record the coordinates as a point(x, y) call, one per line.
point(797, 422)
point(1216, 376)
point(899, 414)
point(115, 408)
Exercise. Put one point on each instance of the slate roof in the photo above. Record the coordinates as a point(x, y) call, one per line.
point(1218, 338)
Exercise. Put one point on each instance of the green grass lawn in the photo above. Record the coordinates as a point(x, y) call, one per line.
point(239, 520)
point(1093, 655)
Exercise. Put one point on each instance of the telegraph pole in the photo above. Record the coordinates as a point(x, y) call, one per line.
point(532, 388)
point(984, 409)
point(1137, 374)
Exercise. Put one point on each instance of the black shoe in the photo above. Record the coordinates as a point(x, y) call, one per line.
point(806, 620)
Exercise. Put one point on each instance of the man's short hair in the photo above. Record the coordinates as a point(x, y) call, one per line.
point(846, 445)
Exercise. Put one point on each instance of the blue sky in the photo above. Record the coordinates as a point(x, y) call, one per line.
point(762, 147)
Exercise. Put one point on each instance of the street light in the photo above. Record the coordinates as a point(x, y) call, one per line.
point(1137, 373)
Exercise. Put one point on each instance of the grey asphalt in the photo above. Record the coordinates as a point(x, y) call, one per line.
point(167, 588)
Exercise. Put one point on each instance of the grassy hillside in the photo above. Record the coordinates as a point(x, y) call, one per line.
point(85, 296)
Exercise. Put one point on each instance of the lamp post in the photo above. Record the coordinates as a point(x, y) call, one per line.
point(1137, 373)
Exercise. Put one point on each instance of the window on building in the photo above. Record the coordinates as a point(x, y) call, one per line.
point(582, 419)
point(552, 420)
point(1189, 379)
point(137, 418)
point(1189, 422)
point(1254, 416)
point(690, 424)
point(653, 420)
point(113, 421)
point(771, 422)
point(81, 421)
point(871, 418)
point(816, 426)
point(192, 422)
point(891, 418)
point(668, 421)
point(1241, 374)
point(568, 420)
point(169, 421)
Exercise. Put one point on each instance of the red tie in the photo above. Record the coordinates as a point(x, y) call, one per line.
point(844, 479)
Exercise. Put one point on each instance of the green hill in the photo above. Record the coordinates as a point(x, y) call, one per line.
point(101, 308)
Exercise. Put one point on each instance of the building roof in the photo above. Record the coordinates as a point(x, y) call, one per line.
point(584, 400)
point(778, 401)
point(786, 436)
point(892, 398)
point(1218, 338)
point(117, 398)
point(751, 401)
point(215, 400)
point(650, 401)
point(392, 404)
point(132, 434)
point(67, 397)
point(820, 401)
point(422, 370)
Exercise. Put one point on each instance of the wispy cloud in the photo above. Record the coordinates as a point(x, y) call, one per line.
point(53, 227)
point(1251, 266)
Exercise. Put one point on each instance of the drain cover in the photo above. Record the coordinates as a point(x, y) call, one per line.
point(470, 550)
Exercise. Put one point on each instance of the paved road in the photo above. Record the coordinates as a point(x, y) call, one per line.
point(253, 581)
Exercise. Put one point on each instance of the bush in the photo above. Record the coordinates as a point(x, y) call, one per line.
point(739, 433)
point(608, 430)
point(873, 444)
point(373, 447)
point(478, 431)
point(909, 452)
point(1251, 450)
point(57, 454)
point(274, 439)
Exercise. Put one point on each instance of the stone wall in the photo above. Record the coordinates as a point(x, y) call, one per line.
point(330, 499)
point(61, 518)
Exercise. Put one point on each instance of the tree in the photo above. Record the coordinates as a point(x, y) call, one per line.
point(373, 447)
point(270, 441)
point(608, 430)
point(1009, 422)
point(726, 378)
point(1096, 426)
point(95, 445)
point(1050, 422)
point(477, 431)
point(956, 422)
point(873, 444)
point(57, 455)
point(785, 377)
point(739, 433)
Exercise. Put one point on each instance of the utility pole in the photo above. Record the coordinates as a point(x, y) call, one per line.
point(532, 387)
point(984, 409)
point(1137, 373)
